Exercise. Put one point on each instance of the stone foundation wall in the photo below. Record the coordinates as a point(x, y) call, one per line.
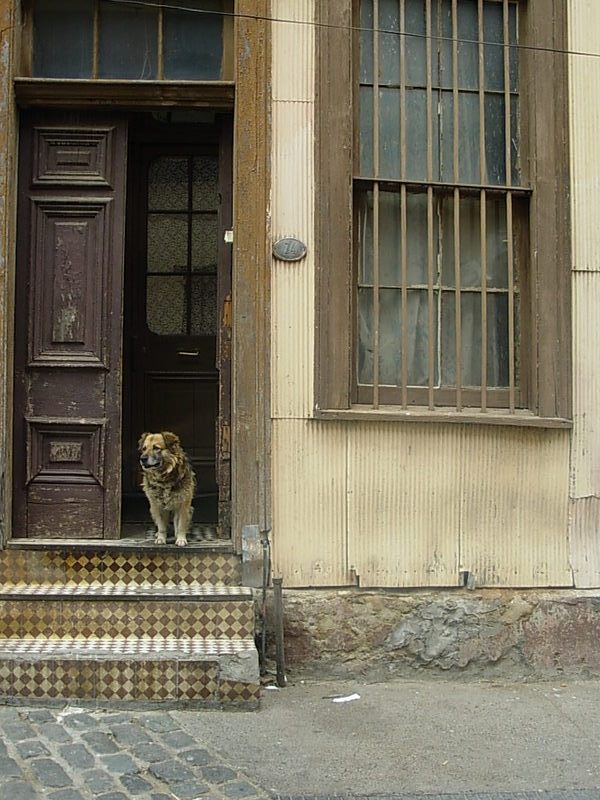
point(486, 633)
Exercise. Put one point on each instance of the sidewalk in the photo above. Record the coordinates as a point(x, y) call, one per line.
point(414, 737)
point(403, 740)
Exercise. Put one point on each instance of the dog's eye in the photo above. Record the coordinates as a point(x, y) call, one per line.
point(156, 447)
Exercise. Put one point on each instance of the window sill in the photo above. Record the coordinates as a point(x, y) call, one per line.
point(470, 416)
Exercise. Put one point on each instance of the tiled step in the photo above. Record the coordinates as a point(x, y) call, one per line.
point(124, 610)
point(199, 671)
point(96, 562)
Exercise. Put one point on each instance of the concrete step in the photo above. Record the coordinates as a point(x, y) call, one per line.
point(201, 671)
point(124, 610)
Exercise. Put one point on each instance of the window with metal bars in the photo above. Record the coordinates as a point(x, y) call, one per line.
point(441, 204)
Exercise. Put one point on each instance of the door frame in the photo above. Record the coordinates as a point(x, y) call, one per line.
point(146, 141)
point(250, 433)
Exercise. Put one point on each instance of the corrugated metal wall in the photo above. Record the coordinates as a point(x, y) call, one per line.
point(584, 37)
point(396, 504)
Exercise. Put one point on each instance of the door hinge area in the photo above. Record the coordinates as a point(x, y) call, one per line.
point(224, 440)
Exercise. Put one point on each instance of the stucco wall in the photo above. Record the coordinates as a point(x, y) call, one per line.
point(584, 36)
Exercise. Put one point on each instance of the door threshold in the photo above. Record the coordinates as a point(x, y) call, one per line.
point(128, 544)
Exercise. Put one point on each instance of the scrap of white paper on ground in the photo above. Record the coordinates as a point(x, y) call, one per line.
point(347, 699)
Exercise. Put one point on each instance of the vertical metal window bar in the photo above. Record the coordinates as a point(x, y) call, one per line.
point(160, 44)
point(96, 39)
point(430, 276)
point(457, 280)
point(403, 232)
point(376, 204)
point(482, 208)
point(509, 214)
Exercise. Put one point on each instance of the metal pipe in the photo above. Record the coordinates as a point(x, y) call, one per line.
point(279, 648)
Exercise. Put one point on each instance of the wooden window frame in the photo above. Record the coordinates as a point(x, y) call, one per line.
point(546, 324)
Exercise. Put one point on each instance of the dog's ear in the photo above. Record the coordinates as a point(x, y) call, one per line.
point(171, 439)
point(142, 440)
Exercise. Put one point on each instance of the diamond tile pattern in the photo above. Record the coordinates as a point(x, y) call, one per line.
point(123, 625)
point(83, 567)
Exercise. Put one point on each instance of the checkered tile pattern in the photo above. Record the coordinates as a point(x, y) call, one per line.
point(85, 619)
point(234, 692)
point(118, 624)
point(83, 567)
point(124, 680)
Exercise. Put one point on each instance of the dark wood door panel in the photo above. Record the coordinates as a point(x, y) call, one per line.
point(67, 419)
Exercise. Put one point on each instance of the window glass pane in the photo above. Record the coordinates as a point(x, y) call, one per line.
point(389, 43)
point(468, 49)
point(470, 339)
point(470, 242)
point(497, 339)
point(468, 152)
point(168, 184)
point(365, 238)
point(204, 243)
point(193, 41)
point(497, 247)
point(416, 226)
point(441, 51)
point(366, 42)
point(390, 336)
point(389, 133)
point(494, 139)
point(445, 133)
point(493, 36)
point(167, 243)
point(513, 53)
point(416, 134)
point(417, 347)
point(389, 239)
point(515, 137)
point(205, 183)
point(204, 305)
point(63, 38)
point(415, 46)
point(166, 307)
point(128, 42)
point(366, 131)
point(365, 336)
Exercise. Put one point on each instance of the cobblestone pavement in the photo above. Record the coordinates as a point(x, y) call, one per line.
point(77, 754)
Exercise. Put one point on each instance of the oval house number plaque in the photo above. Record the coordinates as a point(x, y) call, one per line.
point(289, 249)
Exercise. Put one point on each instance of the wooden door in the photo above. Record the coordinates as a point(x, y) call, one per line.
point(177, 302)
point(68, 325)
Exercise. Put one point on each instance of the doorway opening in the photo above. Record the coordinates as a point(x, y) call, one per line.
point(177, 308)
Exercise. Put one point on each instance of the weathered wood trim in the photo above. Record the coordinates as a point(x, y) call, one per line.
point(251, 274)
point(520, 419)
point(72, 93)
point(9, 50)
point(333, 203)
point(547, 107)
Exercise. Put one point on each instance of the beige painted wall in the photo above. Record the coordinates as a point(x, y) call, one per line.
point(389, 503)
point(584, 37)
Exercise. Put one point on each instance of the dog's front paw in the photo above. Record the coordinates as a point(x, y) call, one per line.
point(181, 541)
point(160, 538)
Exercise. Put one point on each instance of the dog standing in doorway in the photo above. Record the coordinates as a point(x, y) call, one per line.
point(168, 483)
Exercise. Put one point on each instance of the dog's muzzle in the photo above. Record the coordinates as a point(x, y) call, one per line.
point(148, 462)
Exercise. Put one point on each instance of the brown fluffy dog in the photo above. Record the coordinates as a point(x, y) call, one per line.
point(168, 483)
